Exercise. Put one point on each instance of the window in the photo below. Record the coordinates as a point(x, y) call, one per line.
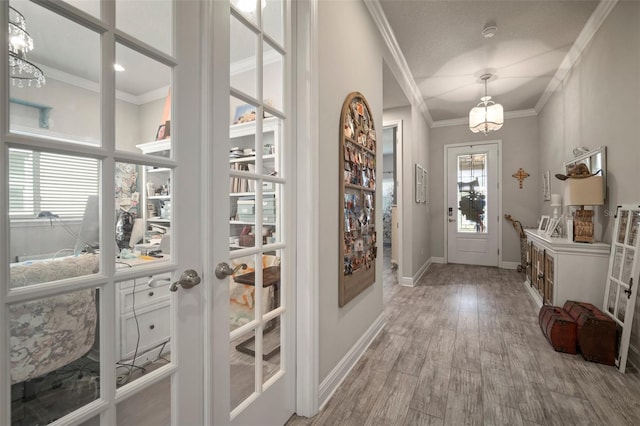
point(43, 181)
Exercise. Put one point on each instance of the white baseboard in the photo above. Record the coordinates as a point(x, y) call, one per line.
point(434, 259)
point(340, 372)
point(407, 282)
point(412, 281)
point(509, 265)
point(533, 293)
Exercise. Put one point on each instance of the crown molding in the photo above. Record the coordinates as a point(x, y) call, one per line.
point(590, 28)
point(396, 61)
point(83, 83)
point(465, 120)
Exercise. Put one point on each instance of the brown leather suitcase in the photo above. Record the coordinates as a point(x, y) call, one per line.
point(596, 334)
point(559, 328)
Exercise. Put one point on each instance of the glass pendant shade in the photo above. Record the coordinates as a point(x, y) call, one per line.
point(488, 116)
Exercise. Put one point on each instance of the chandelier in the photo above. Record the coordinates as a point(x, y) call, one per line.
point(487, 116)
point(21, 70)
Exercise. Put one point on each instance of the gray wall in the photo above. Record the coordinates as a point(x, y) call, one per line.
point(344, 67)
point(519, 149)
point(416, 248)
point(599, 104)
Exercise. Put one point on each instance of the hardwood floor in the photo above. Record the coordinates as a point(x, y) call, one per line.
point(464, 347)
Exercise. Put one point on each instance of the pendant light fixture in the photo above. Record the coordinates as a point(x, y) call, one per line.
point(21, 70)
point(487, 116)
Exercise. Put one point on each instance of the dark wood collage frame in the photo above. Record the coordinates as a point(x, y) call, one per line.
point(357, 241)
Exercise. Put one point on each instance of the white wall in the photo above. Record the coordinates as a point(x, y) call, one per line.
point(599, 104)
point(519, 149)
point(350, 59)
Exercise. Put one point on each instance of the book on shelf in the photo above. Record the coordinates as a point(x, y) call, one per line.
point(238, 184)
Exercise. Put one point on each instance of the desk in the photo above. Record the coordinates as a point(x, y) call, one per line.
point(270, 277)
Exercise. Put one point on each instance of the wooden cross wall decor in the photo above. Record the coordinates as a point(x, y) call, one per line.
point(521, 175)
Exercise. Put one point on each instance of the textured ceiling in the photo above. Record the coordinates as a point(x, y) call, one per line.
point(446, 52)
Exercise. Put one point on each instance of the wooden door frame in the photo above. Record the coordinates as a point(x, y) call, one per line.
point(445, 221)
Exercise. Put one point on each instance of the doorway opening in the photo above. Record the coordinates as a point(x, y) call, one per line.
point(391, 202)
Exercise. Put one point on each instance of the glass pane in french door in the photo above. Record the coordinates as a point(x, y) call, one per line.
point(151, 407)
point(143, 103)
point(244, 45)
point(55, 364)
point(53, 94)
point(472, 193)
point(143, 195)
point(273, 76)
point(54, 219)
point(272, 22)
point(149, 21)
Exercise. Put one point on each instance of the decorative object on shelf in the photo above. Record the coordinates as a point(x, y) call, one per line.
point(583, 189)
point(357, 193)
point(21, 69)
point(164, 131)
point(487, 116)
point(521, 175)
point(244, 114)
point(546, 186)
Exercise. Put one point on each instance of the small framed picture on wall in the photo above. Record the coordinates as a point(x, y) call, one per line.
point(546, 186)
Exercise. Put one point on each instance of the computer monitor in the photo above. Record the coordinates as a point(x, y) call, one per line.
point(89, 234)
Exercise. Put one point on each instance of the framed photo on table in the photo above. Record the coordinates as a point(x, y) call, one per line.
point(554, 224)
point(544, 223)
point(551, 226)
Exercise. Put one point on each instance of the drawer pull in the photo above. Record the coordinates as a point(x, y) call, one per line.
point(150, 293)
point(151, 327)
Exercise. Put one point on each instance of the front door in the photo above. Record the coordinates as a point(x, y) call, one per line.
point(249, 203)
point(100, 163)
point(472, 208)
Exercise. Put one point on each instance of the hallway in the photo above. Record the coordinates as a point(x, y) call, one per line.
point(464, 347)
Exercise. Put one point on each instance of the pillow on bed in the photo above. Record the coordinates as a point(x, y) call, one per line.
point(43, 271)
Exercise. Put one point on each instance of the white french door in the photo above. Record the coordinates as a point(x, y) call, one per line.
point(473, 203)
point(100, 160)
point(251, 358)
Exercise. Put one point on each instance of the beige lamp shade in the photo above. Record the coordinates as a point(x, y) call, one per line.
point(584, 191)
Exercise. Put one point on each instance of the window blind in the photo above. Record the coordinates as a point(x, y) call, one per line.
point(43, 181)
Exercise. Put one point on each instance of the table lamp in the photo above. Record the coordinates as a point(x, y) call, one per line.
point(582, 192)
